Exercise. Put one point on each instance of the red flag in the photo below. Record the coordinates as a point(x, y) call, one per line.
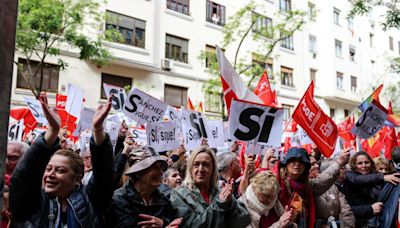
point(190, 104)
point(24, 113)
point(373, 145)
point(319, 127)
point(200, 108)
point(232, 84)
point(264, 92)
point(61, 100)
point(242, 159)
point(389, 136)
point(345, 127)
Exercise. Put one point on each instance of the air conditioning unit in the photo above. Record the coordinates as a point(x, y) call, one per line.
point(166, 64)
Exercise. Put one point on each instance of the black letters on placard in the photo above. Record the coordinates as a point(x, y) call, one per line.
point(172, 115)
point(363, 117)
point(135, 134)
point(115, 100)
point(267, 126)
point(12, 133)
point(252, 125)
point(198, 124)
point(35, 112)
point(132, 101)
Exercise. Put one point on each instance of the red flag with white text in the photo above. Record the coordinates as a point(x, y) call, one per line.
point(319, 127)
point(264, 92)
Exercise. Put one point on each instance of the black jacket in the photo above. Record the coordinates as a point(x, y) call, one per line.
point(360, 191)
point(128, 204)
point(30, 205)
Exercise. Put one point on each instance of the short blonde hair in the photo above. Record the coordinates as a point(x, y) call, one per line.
point(189, 181)
point(265, 183)
point(379, 161)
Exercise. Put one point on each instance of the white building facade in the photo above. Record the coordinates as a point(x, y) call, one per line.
point(163, 40)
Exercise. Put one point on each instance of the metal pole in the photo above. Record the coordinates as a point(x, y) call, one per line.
point(8, 21)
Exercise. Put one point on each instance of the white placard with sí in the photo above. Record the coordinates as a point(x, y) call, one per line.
point(143, 108)
point(36, 110)
point(139, 135)
point(15, 130)
point(84, 140)
point(216, 133)
point(370, 121)
point(74, 101)
point(249, 121)
point(119, 96)
point(173, 113)
point(194, 127)
point(162, 136)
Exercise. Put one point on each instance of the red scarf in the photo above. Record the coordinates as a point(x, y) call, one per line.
point(304, 191)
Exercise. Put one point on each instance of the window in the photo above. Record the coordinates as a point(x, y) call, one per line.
point(262, 25)
point(287, 76)
point(176, 48)
point(285, 5)
point(332, 112)
point(211, 55)
point(311, 11)
point(313, 76)
point(113, 80)
point(287, 43)
point(287, 109)
point(350, 23)
point(399, 46)
point(175, 96)
point(352, 53)
point(181, 6)
point(49, 81)
point(336, 16)
point(312, 44)
point(262, 65)
point(339, 80)
point(346, 113)
point(391, 43)
point(353, 81)
point(215, 13)
point(132, 30)
point(371, 40)
point(338, 48)
point(213, 102)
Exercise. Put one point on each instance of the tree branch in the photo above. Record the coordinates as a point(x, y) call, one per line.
point(241, 41)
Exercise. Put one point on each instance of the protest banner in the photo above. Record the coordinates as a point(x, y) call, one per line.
point(15, 130)
point(162, 136)
point(216, 133)
point(36, 110)
point(194, 127)
point(143, 108)
point(74, 102)
point(139, 135)
point(249, 121)
point(370, 121)
point(85, 121)
point(84, 140)
point(172, 113)
point(118, 98)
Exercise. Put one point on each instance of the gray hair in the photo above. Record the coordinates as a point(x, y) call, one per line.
point(169, 171)
point(23, 147)
point(224, 160)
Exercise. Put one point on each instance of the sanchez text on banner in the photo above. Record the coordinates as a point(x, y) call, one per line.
point(216, 133)
point(119, 96)
point(143, 108)
point(15, 130)
point(319, 127)
point(232, 84)
point(74, 101)
point(370, 121)
point(36, 110)
point(162, 136)
point(194, 127)
point(249, 121)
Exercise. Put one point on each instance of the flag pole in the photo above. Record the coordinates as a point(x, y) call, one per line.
point(290, 120)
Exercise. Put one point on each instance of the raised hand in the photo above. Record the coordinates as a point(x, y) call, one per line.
point(52, 118)
point(226, 192)
point(344, 156)
point(123, 129)
point(97, 122)
point(287, 217)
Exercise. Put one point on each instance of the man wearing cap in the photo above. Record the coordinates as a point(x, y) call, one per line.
point(139, 203)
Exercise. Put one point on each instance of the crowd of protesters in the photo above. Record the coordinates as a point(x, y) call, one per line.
point(130, 185)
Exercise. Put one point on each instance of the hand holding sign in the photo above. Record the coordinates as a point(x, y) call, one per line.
point(52, 118)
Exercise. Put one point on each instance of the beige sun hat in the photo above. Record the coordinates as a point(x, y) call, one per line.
point(143, 158)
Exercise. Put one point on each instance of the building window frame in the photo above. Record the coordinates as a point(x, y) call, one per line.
point(336, 16)
point(267, 65)
point(285, 5)
point(353, 84)
point(176, 48)
point(338, 48)
point(391, 44)
point(312, 44)
point(262, 25)
point(339, 80)
point(215, 13)
point(133, 30)
point(313, 76)
point(287, 76)
point(288, 43)
point(213, 102)
point(352, 54)
point(180, 6)
point(178, 89)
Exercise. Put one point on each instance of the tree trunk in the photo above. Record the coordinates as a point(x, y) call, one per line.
point(8, 22)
